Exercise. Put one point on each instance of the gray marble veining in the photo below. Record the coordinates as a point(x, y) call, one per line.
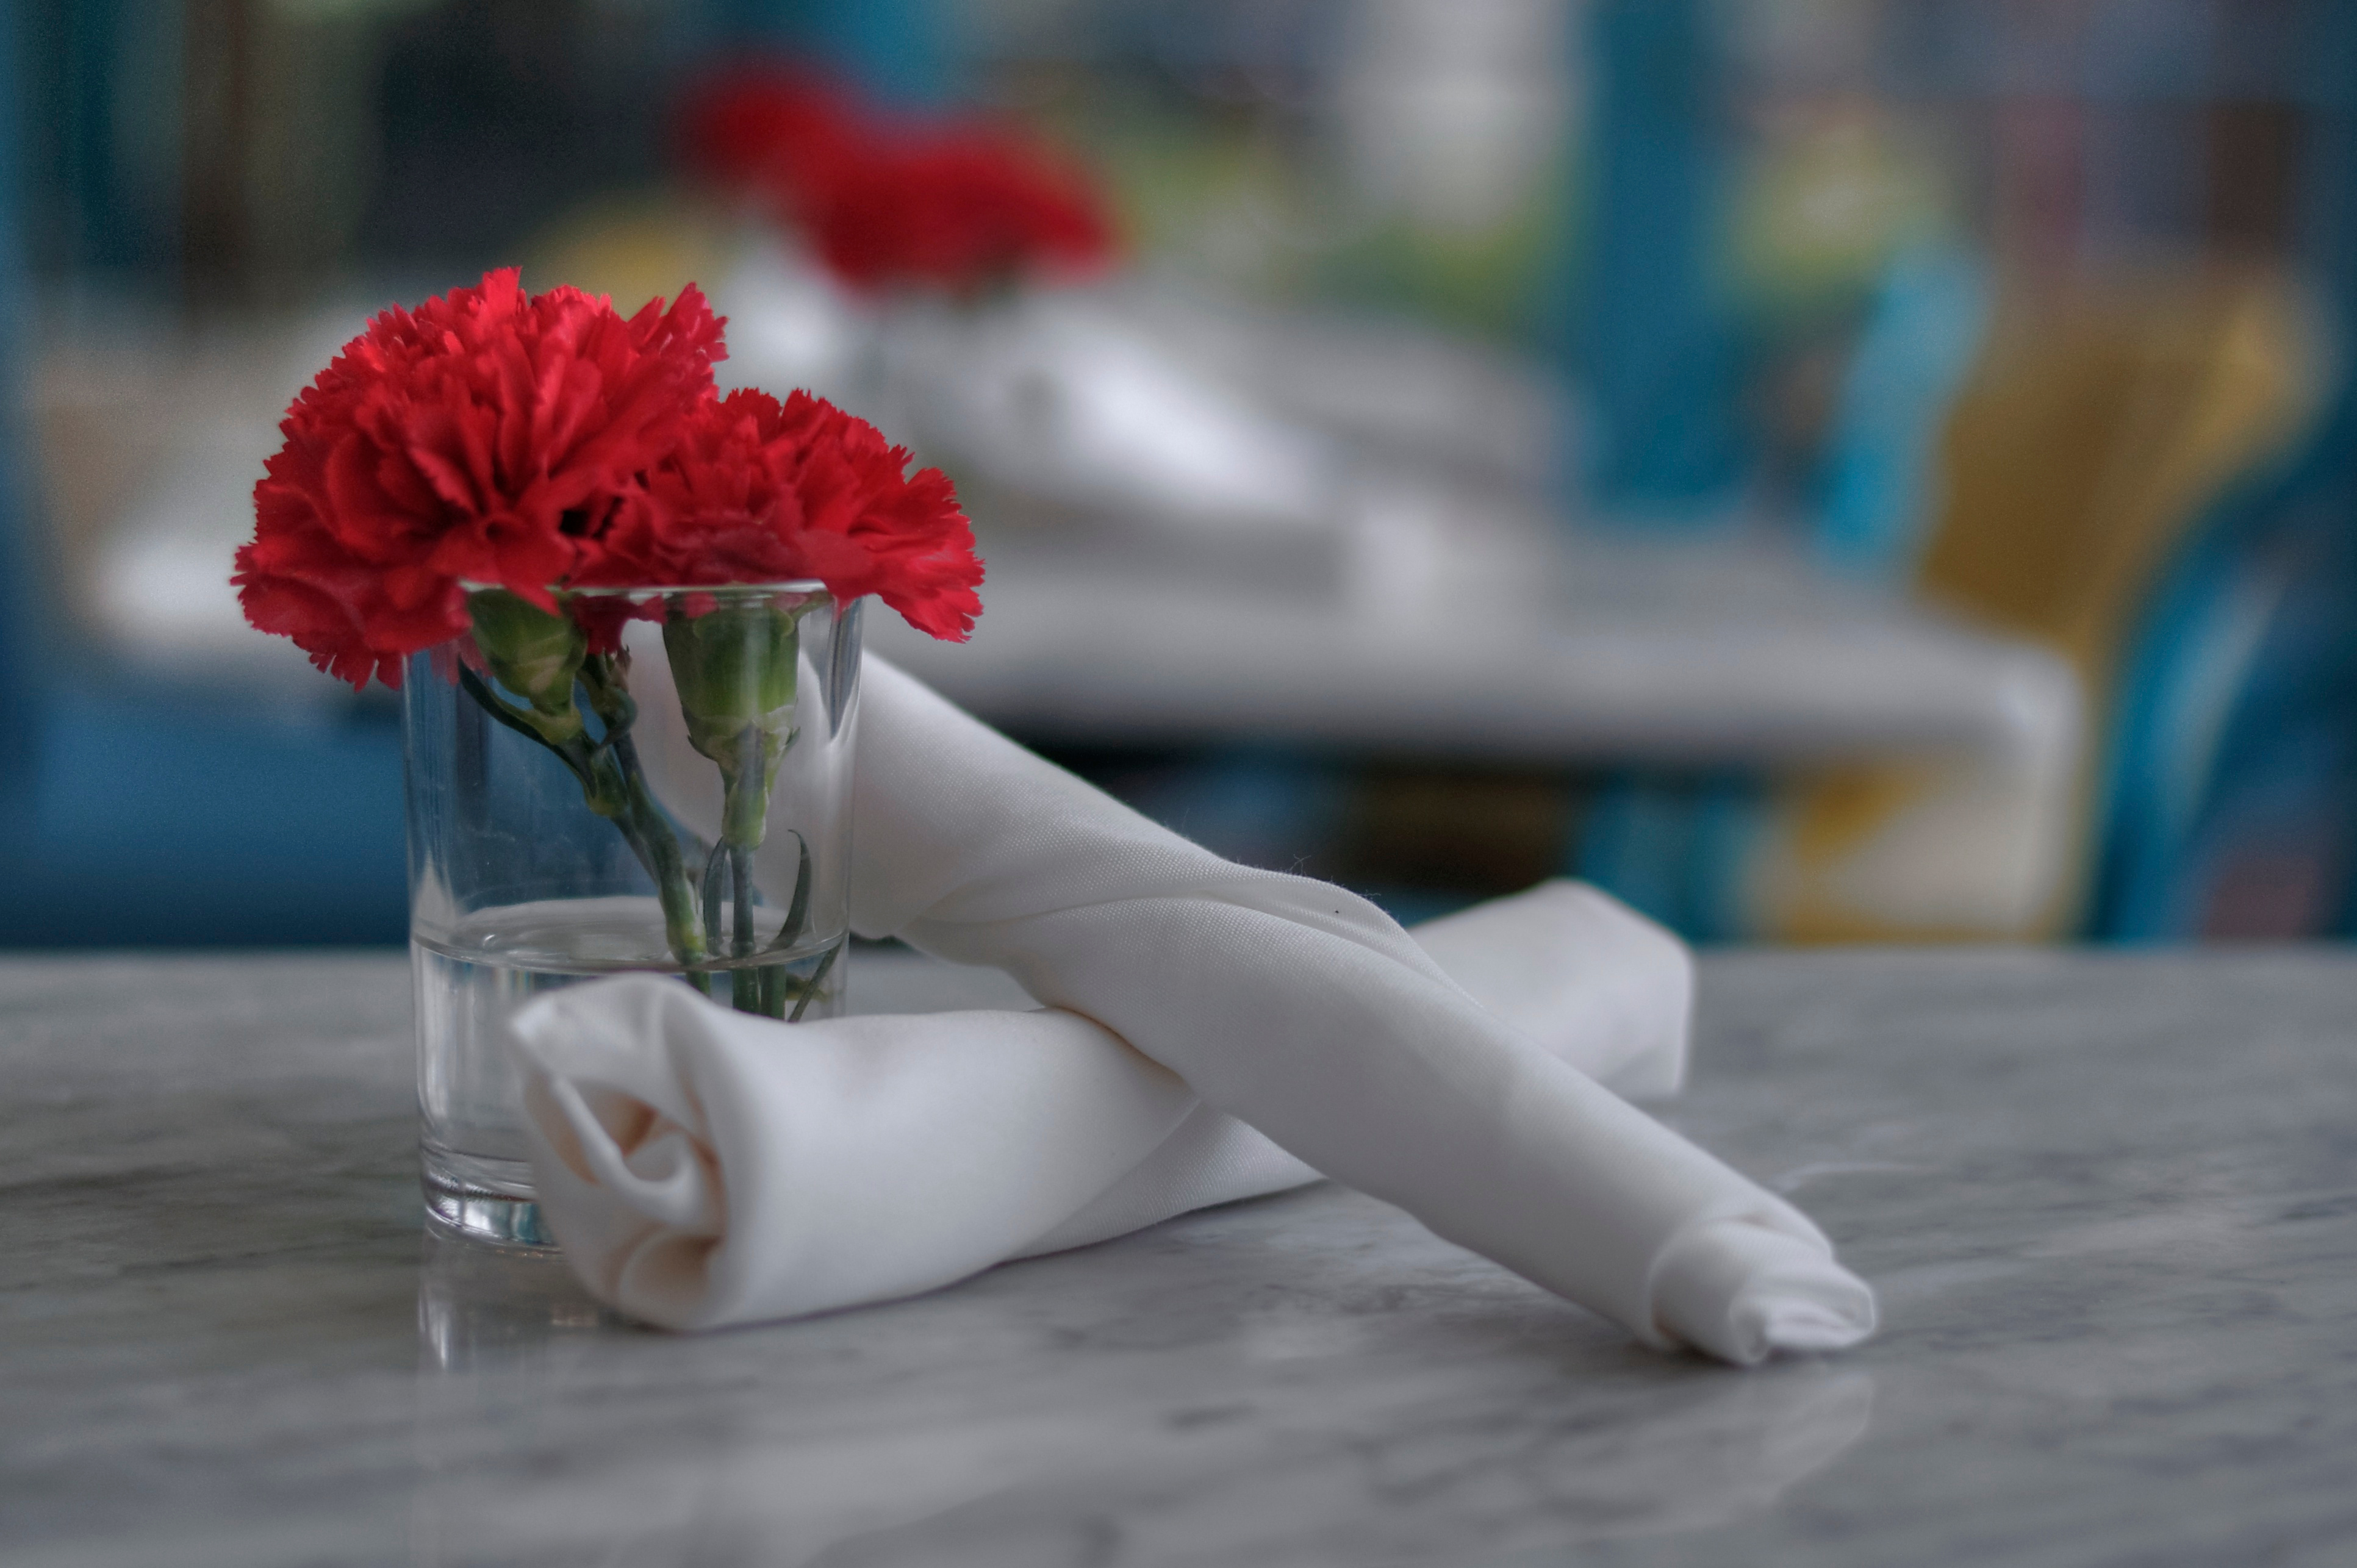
point(2110, 1202)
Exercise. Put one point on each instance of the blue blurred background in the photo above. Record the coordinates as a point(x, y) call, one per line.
point(1824, 470)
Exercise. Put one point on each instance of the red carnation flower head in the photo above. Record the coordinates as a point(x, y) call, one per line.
point(763, 491)
point(486, 436)
point(962, 205)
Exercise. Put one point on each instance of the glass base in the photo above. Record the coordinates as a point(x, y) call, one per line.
point(481, 1199)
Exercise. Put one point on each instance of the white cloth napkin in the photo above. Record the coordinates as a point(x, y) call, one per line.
point(1004, 1134)
point(705, 1168)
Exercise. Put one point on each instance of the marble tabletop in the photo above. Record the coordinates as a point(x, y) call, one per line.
point(2110, 1203)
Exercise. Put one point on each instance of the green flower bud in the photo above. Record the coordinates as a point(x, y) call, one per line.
point(735, 668)
point(534, 654)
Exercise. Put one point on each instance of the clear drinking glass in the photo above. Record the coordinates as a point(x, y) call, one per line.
point(680, 805)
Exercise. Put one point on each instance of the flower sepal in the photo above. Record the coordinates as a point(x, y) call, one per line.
point(534, 654)
point(735, 670)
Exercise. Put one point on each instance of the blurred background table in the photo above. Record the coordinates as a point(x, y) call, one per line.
point(2106, 1200)
point(1490, 646)
point(1822, 472)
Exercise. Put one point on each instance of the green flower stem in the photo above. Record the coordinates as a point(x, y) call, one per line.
point(601, 682)
point(664, 863)
point(735, 668)
point(810, 987)
point(543, 657)
point(740, 885)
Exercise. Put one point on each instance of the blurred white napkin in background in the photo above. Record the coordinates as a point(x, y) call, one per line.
point(704, 1168)
point(1051, 395)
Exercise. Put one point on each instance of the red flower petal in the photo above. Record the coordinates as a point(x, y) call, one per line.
point(454, 441)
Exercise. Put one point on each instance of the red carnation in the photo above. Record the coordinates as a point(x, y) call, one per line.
point(759, 491)
point(486, 436)
point(960, 205)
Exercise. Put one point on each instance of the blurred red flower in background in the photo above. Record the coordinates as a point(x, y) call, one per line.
point(753, 127)
point(966, 211)
point(964, 205)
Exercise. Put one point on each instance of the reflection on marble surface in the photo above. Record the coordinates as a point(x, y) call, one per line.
point(2111, 1204)
point(1197, 1425)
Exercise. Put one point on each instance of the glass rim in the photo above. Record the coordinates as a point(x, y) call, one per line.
point(808, 586)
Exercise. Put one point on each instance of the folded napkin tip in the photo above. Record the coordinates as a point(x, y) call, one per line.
point(1744, 1291)
point(1808, 1332)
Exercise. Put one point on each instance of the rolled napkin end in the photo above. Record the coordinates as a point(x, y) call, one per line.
point(620, 1148)
point(702, 1167)
point(1741, 1290)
